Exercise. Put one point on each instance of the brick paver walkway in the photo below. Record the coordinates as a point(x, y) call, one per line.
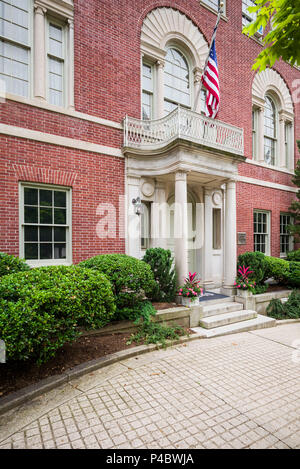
point(237, 391)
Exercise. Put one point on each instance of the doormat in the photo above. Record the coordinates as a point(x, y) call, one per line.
point(209, 295)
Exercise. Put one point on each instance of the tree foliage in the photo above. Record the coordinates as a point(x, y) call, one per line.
point(284, 36)
point(295, 205)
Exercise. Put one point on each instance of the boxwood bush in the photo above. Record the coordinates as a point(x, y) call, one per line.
point(132, 280)
point(294, 256)
point(10, 264)
point(257, 263)
point(44, 308)
point(278, 269)
point(161, 263)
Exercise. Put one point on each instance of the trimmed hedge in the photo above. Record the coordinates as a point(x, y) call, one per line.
point(278, 269)
point(257, 262)
point(42, 309)
point(10, 264)
point(131, 279)
point(161, 263)
point(294, 256)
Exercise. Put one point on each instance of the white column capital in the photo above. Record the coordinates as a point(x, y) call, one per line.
point(160, 63)
point(197, 74)
point(70, 22)
point(231, 184)
point(180, 175)
point(39, 9)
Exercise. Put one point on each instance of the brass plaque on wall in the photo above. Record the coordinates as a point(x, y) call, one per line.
point(242, 238)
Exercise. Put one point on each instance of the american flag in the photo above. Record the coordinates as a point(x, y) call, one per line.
point(210, 80)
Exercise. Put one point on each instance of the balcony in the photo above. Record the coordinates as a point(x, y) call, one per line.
point(184, 125)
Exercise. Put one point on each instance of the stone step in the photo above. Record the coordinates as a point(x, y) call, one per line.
point(218, 301)
point(260, 322)
point(221, 308)
point(227, 318)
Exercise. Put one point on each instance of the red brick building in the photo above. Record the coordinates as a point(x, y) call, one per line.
point(72, 165)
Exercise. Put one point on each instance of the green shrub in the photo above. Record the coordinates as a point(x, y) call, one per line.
point(275, 309)
point(155, 333)
point(10, 264)
point(278, 269)
point(288, 310)
point(42, 309)
point(161, 263)
point(257, 263)
point(292, 306)
point(293, 278)
point(131, 279)
point(294, 256)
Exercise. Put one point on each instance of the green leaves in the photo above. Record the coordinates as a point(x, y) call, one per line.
point(161, 263)
point(42, 309)
point(131, 279)
point(282, 41)
point(11, 264)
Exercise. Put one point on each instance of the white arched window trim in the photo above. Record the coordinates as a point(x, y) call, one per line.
point(165, 28)
point(270, 83)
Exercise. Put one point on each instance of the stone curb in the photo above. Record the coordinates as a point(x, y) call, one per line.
point(282, 322)
point(34, 390)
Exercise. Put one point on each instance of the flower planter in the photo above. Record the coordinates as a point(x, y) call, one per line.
point(244, 293)
point(189, 302)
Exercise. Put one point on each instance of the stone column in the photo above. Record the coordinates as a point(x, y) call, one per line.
point(208, 226)
point(260, 135)
point(71, 65)
point(39, 53)
point(159, 105)
point(181, 226)
point(230, 237)
point(159, 218)
point(197, 89)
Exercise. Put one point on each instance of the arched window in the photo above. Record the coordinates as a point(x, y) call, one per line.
point(176, 81)
point(270, 131)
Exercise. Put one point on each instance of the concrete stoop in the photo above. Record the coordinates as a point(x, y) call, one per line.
point(230, 318)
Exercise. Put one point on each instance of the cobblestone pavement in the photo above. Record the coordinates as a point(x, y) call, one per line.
point(238, 391)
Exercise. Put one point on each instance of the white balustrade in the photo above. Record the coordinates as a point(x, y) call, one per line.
point(186, 125)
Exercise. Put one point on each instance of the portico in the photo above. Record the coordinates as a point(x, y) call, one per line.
point(188, 192)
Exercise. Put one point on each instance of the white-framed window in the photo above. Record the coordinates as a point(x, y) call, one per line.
point(214, 4)
point(217, 228)
point(261, 221)
point(270, 131)
point(248, 17)
point(177, 87)
point(288, 128)
point(145, 225)
point(15, 45)
point(286, 239)
point(254, 133)
point(147, 91)
point(56, 58)
point(45, 224)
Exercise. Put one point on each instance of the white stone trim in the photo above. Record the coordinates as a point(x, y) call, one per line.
point(270, 80)
point(272, 168)
point(163, 24)
point(272, 185)
point(63, 8)
point(60, 110)
point(58, 140)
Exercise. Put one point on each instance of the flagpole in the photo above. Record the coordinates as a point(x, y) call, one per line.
point(220, 12)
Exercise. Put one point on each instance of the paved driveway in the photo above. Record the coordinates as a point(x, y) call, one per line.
point(236, 391)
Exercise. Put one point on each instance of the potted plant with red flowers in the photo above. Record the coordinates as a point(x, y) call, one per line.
point(190, 291)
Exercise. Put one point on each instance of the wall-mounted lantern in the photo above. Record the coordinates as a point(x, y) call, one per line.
point(138, 206)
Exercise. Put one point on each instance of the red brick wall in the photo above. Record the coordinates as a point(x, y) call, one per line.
point(107, 85)
point(88, 174)
point(251, 197)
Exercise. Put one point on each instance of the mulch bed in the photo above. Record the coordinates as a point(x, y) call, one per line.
point(17, 375)
point(272, 288)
